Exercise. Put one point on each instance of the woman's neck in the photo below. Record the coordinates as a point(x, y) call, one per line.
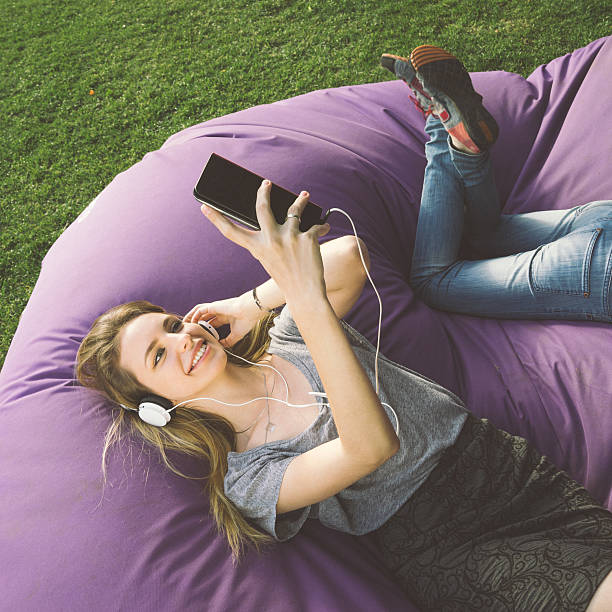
point(239, 385)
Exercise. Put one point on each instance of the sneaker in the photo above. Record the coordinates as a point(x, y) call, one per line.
point(443, 88)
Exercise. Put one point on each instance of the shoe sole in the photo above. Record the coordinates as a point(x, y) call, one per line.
point(444, 77)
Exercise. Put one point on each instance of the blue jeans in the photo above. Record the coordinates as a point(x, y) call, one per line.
point(469, 258)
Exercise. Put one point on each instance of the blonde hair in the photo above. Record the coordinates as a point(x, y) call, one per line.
point(190, 431)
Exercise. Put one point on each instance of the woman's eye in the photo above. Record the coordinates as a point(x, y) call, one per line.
point(176, 326)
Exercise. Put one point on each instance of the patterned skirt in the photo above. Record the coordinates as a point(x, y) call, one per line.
point(497, 526)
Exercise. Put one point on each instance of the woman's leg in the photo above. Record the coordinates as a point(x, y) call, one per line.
point(527, 231)
point(556, 264)
point(441, 86)
point(487, 232)
point(441, 217)
point(460, 207)
point(490, 234)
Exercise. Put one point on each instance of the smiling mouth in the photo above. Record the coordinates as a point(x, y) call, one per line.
point(199, 355)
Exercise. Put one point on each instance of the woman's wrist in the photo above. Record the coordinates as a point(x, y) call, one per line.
point(269, 296)
point(265, 298)
point(257, 301)
point(250, 306)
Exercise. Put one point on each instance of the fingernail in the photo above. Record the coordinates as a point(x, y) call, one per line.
point(266, 182)
point(204, 209)
point(304, 193)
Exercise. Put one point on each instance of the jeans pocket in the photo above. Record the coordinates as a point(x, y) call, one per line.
point(564, 266)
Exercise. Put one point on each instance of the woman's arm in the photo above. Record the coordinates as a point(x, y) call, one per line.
point(343, 272)
point(295, 261)
point(362, 423)
point(344, 277)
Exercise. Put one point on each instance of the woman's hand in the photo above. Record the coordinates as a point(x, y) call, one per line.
point(240, 313)
point(292, 258)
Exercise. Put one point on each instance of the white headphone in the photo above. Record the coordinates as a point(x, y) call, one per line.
point(155, 410)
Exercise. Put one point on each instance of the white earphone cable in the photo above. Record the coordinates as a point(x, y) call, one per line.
point(375, 291)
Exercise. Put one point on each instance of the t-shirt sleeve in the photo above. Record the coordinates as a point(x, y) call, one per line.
point(253, 482)
point(285, 328)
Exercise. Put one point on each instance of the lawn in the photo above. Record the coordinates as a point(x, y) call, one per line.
point(88, 88)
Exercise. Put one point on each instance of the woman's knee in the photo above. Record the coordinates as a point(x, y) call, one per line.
point(593, 212)
point(425, 287)
point(430, 281)
point(418, 283)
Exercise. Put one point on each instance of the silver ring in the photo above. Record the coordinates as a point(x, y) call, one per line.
point(295, 216)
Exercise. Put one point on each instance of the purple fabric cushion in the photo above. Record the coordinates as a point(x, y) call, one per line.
point(146, 541)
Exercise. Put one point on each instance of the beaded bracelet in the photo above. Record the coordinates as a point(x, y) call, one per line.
point(258, 302)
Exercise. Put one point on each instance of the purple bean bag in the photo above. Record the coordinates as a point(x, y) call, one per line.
point(146, 542)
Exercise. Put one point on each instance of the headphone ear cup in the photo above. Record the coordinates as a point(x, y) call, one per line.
point(153, 410)
point(209, 328)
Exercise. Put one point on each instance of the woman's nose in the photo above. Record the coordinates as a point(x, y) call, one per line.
point(185, 342)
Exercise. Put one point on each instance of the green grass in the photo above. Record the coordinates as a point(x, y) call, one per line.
point(156, 67)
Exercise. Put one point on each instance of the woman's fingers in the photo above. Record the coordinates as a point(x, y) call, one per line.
point(266, 219)
point(188, 318)
point(297, 208)
point(198, 312)
point(252, 240)
point(319, 230)
point(231, 231)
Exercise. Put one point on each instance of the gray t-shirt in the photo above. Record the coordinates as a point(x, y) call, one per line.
point(430, 419)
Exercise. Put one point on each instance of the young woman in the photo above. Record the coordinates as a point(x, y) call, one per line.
point(466, 516)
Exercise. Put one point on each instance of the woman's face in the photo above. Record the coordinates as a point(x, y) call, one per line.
point(159, 350)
